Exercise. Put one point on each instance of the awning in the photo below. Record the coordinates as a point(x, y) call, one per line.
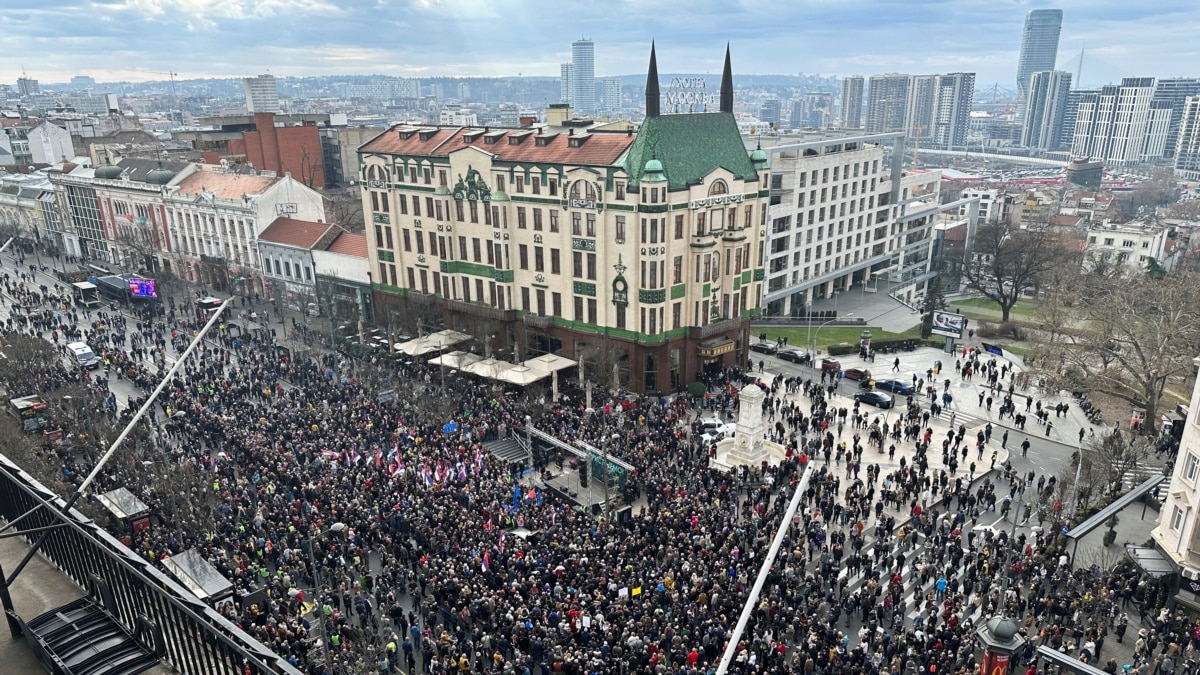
point(549, 363)
point(489, 368)
point(434, 342)
point(455, 360)
point(1151, 560)
point(198, 576)
point(523, 375)
point(123, 503)
point(715, 347)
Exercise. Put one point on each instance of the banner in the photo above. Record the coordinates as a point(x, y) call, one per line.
point(949, 325)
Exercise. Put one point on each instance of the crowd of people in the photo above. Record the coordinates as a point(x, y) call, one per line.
point(380, 530)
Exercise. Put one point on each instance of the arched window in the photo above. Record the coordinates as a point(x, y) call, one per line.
point(582, 189)
point(718, 188)
point(376, 173)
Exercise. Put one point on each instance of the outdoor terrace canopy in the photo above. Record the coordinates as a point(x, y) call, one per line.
point(434, 342)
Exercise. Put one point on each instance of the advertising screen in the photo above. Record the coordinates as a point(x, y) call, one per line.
point(949, 325)
point(142, 288)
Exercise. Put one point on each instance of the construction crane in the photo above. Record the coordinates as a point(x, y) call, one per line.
point(174, 100)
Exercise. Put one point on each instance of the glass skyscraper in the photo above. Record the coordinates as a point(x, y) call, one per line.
point(1039, 46)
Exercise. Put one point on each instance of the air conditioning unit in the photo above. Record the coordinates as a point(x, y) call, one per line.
point(1189, 573)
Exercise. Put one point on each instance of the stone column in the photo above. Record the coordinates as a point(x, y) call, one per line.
point(748, 445)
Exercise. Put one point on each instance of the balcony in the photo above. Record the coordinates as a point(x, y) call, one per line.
point(541, 322)
point(481, 311)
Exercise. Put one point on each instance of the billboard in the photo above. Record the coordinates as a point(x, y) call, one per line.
point(142, 288)
point(949, 325)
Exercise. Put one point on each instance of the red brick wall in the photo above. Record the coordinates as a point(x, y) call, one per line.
point(295, 150)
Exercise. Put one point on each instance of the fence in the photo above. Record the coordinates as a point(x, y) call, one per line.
point(199, 641)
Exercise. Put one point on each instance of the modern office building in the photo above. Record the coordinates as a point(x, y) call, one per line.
point(27, 86)
point(583, 76)
point(1046, 109)
point(1187, 145)
point(844, 216)
point(887, 103)
point(1175, 91)
point(1039, 46)
point(610, 94)
point(261, 94)
point(642, 247)
point(818, 109)
point(771, 112)
point(464, 91)
point(852, 101)
point(1110, 126)
point(566, 85)
point(953, 97)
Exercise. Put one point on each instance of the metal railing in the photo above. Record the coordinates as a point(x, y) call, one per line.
point(199, 641)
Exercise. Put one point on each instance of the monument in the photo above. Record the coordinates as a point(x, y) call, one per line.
point(748, 446)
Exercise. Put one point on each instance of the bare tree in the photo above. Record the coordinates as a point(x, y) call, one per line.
point(345, 208)
point(1008, 262)
point(1134, 335)
point(1110, 459)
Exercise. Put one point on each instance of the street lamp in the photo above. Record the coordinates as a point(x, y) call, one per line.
point(312, 557)
point(812, 346)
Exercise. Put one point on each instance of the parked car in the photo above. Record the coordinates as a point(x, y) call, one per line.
point(875, 398)
point(831, 364)
point(714, 429)
point(792, 355)
point(764, 347)
point(895, 386)
point(857, 374)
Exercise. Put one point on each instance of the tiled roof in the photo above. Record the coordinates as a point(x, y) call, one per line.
point(349, 243)
point(298, 233)
point(137, 169)
point(226, 185)
point(689, 147)
point(596, 149)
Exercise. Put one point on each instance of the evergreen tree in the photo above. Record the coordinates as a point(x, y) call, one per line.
point(935, 300)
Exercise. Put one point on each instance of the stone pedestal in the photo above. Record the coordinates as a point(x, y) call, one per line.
point(748, 447)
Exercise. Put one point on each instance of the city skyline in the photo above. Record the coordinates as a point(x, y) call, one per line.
point(139, 40)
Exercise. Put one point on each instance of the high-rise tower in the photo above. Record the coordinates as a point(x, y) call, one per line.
point(852, 101)
point(1039, 46)
point(583, 76)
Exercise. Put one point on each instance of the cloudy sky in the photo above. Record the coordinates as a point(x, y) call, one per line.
point(132, 39)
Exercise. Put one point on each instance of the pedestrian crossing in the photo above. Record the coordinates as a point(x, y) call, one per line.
point(1138, 474)
point(913, 597)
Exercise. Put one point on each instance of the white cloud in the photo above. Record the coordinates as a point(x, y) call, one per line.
point(202, 12)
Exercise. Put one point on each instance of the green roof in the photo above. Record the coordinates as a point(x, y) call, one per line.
point(690, 146)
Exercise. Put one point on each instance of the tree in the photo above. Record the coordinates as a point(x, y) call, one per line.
point(1132, 334)
point(935, 301)
point(345, 208)
point(1007, 262)
point(1109, 459)
point(1159, 190)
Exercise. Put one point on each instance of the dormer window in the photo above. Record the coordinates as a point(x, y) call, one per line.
point(515, 140)
point(426, 135)
point(406, 134)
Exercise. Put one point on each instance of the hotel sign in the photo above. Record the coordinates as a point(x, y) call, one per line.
point(717, 200)
point(689, 91)
point(582, 203)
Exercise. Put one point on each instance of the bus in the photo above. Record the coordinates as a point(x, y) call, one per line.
point(206, 307)
point(86, 294)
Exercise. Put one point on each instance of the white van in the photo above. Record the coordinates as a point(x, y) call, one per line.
point(84, 355)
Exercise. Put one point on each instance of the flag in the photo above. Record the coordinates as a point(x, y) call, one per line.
point(516, 499)
point(487, 561)
point(426, 476)
point(501, 545)
point(462, 471)
point(539, 498)
point(379, 458)
point(331, 454)
point(355, 457)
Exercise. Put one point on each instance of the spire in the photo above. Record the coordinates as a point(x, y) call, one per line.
point(727, 84)
point(652, 95)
